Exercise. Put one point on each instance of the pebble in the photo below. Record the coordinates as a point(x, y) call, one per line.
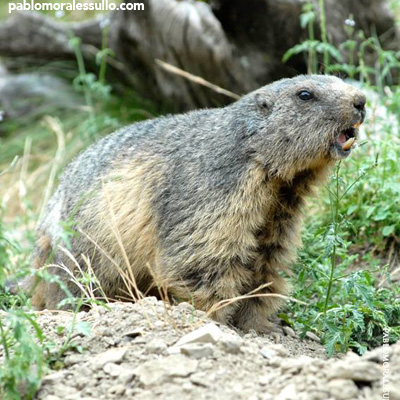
point(274, 350)
point(161, 370)
point(313, 336)
point(55, 377)
point(209, 333)
point(360, 371)
point(110, 356)
point(113, 369)
point(73, 359)
point(379, 354)
point(288, 393)
point(289, 331)
point(197, 350)
point(343, 389)
point(230, 343)
point(186, 306)
point(156, 346)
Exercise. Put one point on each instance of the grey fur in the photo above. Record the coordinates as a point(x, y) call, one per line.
point(205, 157)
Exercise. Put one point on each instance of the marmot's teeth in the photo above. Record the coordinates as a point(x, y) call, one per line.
point(357, 125)
point(346, 145)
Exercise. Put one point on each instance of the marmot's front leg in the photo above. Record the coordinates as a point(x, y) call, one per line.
point(253, 313)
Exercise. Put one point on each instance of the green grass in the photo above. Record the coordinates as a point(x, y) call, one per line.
point(351, 243)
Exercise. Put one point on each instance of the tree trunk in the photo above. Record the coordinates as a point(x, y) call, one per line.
point(235, 44)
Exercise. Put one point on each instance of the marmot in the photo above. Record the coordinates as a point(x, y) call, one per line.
point(209, 202)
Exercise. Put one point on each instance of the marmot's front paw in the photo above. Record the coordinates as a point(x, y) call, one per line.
point(261, 326)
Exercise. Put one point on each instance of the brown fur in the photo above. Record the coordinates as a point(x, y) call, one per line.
point(209, 204)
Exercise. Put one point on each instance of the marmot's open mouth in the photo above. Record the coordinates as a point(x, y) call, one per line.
point(347, 138)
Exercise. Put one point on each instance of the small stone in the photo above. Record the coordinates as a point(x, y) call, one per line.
point(379, 355)
point(186, 306)
point(268, 353)
point(289, 331)
point(117, 389)
point(197, 350)
point(360, 371)
point(264, 380)
point(294, 365)
point(55, 377)
point(288, 393)
point(51, 397)
point(126, 376)
point(199, 379)
point(274, 350)
point(394, 391)
point(187, 386)
point(161, 370)
point(113, 369)
point(343, 389)
point(267, 396)
point(231, 343)
point(156, 346)
point(109, 341)
point(313, 336)
point(110, 356)
point(74, 359)
point(209, 333)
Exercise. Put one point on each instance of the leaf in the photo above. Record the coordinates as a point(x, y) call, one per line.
point(388, 230)
point(300, 48)
point(82, 327)
point(332, 340)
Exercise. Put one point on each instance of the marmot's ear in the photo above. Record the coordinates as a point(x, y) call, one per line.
point(263, 102)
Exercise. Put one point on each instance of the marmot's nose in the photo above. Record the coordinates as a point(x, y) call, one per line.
point(359, 103)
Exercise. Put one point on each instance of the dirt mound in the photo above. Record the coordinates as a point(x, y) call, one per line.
point(149, 350)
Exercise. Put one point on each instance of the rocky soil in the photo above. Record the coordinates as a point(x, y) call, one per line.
point(152, 351)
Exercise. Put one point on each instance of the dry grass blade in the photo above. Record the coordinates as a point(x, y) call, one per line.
point(115, 231)
point(196, 79)
point(55, 126)
point(226, 302)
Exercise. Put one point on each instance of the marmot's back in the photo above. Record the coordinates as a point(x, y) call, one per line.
point(207, 204)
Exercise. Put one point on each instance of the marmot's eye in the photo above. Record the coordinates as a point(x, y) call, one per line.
point(305, 95)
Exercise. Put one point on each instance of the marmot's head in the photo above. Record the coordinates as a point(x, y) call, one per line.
point(303, 122)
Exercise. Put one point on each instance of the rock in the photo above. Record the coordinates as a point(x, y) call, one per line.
point(110, 356)
point(342, 389)
point(264, 380)
point(113, 369)
point(294, 365)
point(126, 376)
point(230, 343)
point(274, 350)
point(288, 393)
point(74, 359)
point(51, 397)
point(267, 396)
point(55, 377)
point(209, 333)
point(117, 390)
point(360, 371)
point(199, 379)
point(158, 371)
point(197, 350)
point(289, 331)
point(186, 306)
point(394, 391)
point(313, 336)
point(379, 355)
point(156, 346)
